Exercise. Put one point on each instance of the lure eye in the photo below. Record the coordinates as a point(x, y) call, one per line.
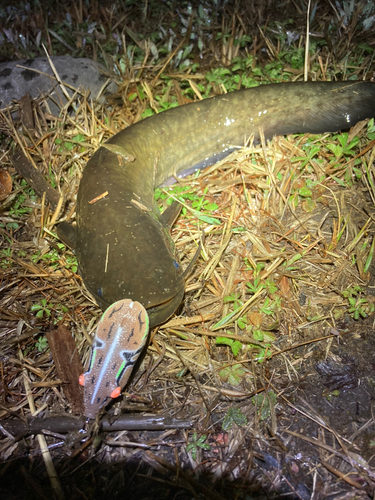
point(100, 292)
point(176, 264)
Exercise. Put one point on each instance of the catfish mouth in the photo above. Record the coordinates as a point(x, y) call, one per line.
point(158, 313)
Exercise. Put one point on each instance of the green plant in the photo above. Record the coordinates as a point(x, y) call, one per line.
point(41, 309)
point(235, 299)
point(261, 336)
point(259, 266)
point(358, 305)
point(371, 130)
point(262, 348)
point(203, 205)
point(242, 322)
point(222, 76)
point(233, 374)
point(17, 209)
point(234, 416)
point(344, 148)
point(71, 263)
point(44, 309)
point(370, 257)
point(197, 443)
point(330, 394)
point(255, 286)
point(311, 151)
point(262, 353)
point(54, 258)
point(66, 146)
point(61, 310)
point(41, 343)
point(270, 306)
point(185, 193)
point(235, 345)
point(11, 226)
point(51, 258)
point(263, 403)
point(5, 257)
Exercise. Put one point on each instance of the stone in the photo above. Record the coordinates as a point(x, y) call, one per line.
point(15, 82)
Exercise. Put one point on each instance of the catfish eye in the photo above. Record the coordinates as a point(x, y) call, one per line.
point(100, 292)
point(176, 264)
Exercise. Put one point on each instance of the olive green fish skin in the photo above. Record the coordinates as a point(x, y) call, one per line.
point(123, 246)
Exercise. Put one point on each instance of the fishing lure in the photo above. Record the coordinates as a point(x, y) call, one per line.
point(119, 340)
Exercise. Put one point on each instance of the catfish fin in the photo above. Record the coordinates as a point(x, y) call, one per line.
point(171, 213)
point(67, 234)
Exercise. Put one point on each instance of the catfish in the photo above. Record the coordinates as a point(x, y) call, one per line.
point(121, 241)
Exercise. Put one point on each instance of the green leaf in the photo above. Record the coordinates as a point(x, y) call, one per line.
point(308, 205)
point(305, 192)
point(238, 417)
point(258, 335)
point(234, 415)
point(339, 181)
point(336, 150)
point(369, 257)
point(260, 357)
point(294, 259)
point(271, 287)
point(41, 344)
point(263, 403)
point(79, 138)
point(224, 321)
point(211, 207)
point(233, 374)
point(236, 347)
point(207, 219)
point(352, 301)
point(197, 443)
point(147, 113)
point(242, 322)
point(224, 340)
point(193, 448)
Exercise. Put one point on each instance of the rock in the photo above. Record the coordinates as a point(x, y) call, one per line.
point(15, 82)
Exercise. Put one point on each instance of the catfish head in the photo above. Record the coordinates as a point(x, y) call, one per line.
point(124, 250)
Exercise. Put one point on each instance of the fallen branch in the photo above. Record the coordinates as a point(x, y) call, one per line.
point(107, 424)
point(35, 178)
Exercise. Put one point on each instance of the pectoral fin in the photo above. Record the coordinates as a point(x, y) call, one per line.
point(67, 234)
point(171, 213)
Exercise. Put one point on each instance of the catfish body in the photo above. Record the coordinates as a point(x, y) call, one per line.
point(122, 243)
